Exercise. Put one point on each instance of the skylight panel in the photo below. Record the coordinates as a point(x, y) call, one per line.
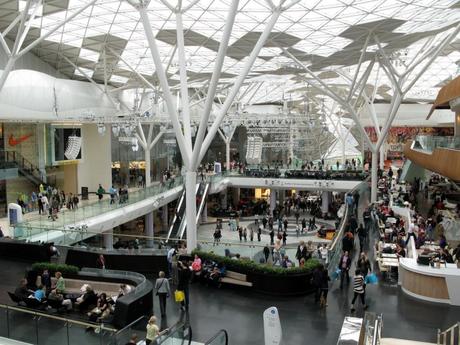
point(89, 55)
point(82, 71)
point(118, 79)
point(22, 7)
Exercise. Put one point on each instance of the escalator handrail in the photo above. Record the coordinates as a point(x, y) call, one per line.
point(181, 200)
point(183, 224)
point(202, 201)
point(209, 342)
point(172, 330)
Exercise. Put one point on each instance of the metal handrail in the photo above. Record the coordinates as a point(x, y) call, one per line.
point(129, 325)
point(53, 317)
point(222, 331)
point(449, 335)
point(173, 330)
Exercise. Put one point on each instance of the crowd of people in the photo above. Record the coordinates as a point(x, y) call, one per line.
point(48, 293)
point(424, 228)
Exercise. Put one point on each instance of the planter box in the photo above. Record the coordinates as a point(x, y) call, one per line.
point(282, 285)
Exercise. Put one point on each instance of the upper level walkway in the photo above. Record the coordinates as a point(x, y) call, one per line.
point(72, 226)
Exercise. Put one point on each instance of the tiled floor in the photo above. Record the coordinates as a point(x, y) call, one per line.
point(239, 311)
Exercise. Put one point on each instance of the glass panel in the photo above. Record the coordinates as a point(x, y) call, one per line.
point(38, 328)
point(51, 331)
point(3, 323)
point(41, 224)
point(23, 326)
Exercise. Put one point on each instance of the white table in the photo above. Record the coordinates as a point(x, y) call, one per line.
point(389, 256)
point(390, 262)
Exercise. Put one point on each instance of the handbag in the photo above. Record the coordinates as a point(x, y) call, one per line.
point(371, 279)
point(179, 296)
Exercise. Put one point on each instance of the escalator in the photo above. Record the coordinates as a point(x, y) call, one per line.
point(178, 218)
point(201, 195)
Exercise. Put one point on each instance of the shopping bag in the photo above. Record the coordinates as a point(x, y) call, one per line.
point(371, 278)
point(179, 296)
point(336, 274)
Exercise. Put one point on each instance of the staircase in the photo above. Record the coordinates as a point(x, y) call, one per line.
point(25, 168)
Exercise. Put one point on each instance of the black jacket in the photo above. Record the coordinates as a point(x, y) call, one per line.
point(301, 253)
point(184, 278)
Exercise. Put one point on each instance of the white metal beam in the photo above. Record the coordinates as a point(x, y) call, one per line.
point(200, 136)
point(53, 30)
point(185, 150)
point(331, 93)
point(242, 76)
point(185, 102)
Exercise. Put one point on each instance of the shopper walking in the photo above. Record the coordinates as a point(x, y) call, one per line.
point(324, 286)
point(344, 266)
point(184, 274)
point(358, 290)
point(100, 192)
point(162, 291)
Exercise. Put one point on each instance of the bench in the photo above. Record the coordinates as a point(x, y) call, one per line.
point(235, 279)
point(73, 286)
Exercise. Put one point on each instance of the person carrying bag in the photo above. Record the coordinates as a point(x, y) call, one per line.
point(163, 291)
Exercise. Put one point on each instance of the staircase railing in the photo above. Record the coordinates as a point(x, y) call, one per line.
point(450, 336)
point(24, 164)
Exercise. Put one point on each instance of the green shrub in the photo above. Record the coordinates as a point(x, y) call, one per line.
point(53, 268)
point(247, 266)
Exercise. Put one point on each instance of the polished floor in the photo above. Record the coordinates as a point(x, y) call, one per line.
point(239, 311)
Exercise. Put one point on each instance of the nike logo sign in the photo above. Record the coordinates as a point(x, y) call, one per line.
point(13, 142)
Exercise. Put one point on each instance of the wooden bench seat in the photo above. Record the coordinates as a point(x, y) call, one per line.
point(235, 278)
point(73, 286)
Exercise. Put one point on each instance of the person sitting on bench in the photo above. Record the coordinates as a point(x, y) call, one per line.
point(22, 292)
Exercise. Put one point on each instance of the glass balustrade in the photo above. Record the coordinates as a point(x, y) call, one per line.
point(35, 327)
point(221, 338)
point(67, 218)
point(429, 143)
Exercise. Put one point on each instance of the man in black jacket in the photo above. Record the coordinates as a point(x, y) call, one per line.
point(301, 251)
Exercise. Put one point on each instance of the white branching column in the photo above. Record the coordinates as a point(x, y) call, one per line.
point(227, 138)
point(192, 155)
point(402, 82)
point(147, 144)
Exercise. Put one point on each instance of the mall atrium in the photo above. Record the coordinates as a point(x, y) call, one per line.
point(235, 172)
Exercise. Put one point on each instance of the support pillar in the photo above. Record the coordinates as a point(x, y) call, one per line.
point(190, 209)
point(236, 196)
point(374, 176)
point(108, 239)
point(227, 154)
point(325, 201)
point(149, 229)
point(272, 200)
point(223, 199)
point(164, 216)
point(148, 178)
point(382, 156)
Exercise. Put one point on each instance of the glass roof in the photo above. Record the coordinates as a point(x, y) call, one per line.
point(324, 34)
